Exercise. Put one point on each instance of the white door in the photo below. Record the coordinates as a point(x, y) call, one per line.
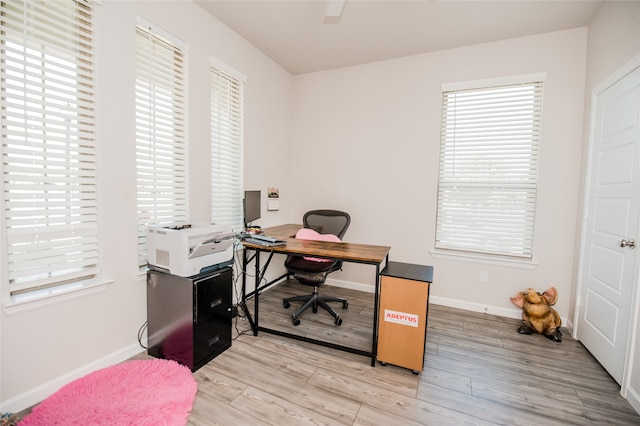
point(608, 263)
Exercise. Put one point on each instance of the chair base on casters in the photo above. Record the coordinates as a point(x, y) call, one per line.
point(314, 301)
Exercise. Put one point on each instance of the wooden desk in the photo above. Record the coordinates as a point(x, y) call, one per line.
point(344, 251)
point(349, 252)
point(283, 231)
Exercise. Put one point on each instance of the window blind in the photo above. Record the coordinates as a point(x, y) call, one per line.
point(48, 148)
point(161, 151)
point(489, 169)
point(226, 149)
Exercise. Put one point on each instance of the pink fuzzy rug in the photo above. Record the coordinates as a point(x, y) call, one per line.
point(144, 392)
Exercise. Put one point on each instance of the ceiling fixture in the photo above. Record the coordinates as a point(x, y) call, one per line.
point(333, 8)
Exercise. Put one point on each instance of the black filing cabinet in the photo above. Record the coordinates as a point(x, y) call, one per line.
point(189, 318)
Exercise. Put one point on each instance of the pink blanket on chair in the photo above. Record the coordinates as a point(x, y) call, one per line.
point(310, 234)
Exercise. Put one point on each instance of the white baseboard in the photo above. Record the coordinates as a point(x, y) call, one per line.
point(37, 394)
point(367, 288)
point(488, 309)
point(452, 303)
point(477, 307)
point(634, 399)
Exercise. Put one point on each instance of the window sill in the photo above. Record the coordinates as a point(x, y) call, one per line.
point(50, 296)
point(484, 258)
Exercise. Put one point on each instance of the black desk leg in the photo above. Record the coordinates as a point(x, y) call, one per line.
point(243, 302)
point(376, 303)
point(256, 293)
point(245, 262)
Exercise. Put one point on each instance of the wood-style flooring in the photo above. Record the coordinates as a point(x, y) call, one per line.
point(478, 370)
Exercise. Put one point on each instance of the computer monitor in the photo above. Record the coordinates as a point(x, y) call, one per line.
point(251, 206)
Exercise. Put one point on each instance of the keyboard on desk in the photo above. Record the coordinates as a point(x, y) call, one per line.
point(265, 240)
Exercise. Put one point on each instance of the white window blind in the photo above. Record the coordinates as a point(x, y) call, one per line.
point(161, 151)
point(489, 168)
point(48, 144)
point(226, 149)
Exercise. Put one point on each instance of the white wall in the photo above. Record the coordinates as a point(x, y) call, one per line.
point(614, 39)
point(366, 139)
point(44, 348)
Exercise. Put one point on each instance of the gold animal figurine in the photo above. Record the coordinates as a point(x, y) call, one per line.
point(537, 314)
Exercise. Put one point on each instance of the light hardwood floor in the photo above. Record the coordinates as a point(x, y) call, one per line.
point(478, 370)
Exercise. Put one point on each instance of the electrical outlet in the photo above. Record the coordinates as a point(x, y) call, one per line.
point(484, 277)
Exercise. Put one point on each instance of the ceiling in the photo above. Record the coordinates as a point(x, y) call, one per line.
point(297, 35)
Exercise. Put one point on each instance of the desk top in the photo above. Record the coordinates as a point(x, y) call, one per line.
point(283, 231)
point(363, 253)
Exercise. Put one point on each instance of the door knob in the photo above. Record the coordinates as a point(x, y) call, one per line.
point(627, 243)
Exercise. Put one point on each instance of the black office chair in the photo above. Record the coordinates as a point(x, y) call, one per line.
point(314, 273)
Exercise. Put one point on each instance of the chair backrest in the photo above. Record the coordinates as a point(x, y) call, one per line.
point(327, 221)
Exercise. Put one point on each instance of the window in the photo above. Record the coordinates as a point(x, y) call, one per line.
point(48, 152)
point(489, 166)
point(226, 147)
point(161, 151)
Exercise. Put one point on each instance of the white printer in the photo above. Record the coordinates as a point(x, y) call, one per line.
point(187, 250)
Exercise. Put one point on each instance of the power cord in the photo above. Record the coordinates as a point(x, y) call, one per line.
point(141, 333)
point(239, 308)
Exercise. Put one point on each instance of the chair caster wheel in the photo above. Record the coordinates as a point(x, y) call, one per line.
point(338, 321)
point(315, 310)
point(286, 305)
point(345, 304)
point(296, 321)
